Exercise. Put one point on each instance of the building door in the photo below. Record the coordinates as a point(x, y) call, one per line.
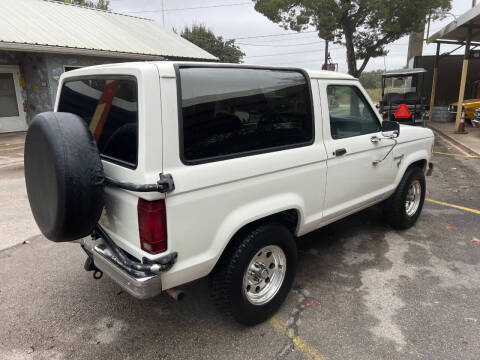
point(12, 116)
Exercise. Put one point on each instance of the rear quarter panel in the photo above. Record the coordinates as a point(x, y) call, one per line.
point(119, 217)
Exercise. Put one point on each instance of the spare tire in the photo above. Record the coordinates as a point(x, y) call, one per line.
point(64, 176)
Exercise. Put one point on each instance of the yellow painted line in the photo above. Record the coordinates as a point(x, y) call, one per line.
point(453, 145)
point(449, 154)
point(299, 343)
point(473, 211)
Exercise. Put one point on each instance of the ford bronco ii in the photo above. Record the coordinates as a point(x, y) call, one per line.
point(167, 172)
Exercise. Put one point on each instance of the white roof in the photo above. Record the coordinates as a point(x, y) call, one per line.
point(312, 73)
point(404, 72)
point(457, 29)
point(324, 74)
point(50, 26)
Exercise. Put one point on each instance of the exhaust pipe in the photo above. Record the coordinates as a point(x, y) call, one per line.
point(176, 294)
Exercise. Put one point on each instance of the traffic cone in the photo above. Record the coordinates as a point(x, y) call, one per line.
point(461, 126)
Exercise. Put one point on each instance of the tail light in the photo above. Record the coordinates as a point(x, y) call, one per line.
point(385, 116)
point(152, 224)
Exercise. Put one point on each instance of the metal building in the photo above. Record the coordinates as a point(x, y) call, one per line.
point(40, 39)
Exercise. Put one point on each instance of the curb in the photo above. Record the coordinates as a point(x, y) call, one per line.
point(456, 142)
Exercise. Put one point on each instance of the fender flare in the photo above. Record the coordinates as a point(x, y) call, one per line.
point(260, 209)
point(419, 155)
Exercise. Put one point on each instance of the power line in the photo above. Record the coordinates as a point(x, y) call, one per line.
point(271, 35)
point(279, 41)
point(279, 54)
point(302, 61)
point(263, 36)
point(294, 52)
point(189, 8)
point(278, 45)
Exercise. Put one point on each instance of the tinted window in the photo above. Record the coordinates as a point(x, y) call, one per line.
point(109, 107)
point(227, 112)
point(350, 113)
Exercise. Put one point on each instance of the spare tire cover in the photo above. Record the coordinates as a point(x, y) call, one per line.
point(64, 176)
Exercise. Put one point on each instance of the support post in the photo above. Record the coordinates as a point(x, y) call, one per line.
point(434, 82)
point(460, 121)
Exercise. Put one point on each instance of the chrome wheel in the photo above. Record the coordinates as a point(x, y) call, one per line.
point(264, 275)
point(414, 195)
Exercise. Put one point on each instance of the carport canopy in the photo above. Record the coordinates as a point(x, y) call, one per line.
point(463, 31)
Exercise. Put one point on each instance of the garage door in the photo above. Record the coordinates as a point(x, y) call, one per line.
point(12, 116)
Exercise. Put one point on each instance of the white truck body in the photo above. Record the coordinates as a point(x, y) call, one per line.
point(212, 201)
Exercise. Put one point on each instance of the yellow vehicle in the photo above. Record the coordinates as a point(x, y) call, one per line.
point(469, 105)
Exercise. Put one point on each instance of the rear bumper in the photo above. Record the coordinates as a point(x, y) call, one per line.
point(138, 284)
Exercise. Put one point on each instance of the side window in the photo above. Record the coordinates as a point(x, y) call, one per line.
point(230, 112)
point(350, 113)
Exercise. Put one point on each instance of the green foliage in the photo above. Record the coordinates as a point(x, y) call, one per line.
point(225, 50)
point(99, 4)
point(372, 79)
point(364, 27)
point(375, 94)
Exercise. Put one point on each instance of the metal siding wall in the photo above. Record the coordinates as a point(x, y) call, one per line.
point(449, 73)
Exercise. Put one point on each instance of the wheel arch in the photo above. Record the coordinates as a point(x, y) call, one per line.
point(418, 159)
point(291, 216)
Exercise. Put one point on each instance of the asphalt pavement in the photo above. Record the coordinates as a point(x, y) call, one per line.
point(363, 291)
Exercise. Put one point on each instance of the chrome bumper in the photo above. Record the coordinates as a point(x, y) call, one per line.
point(137, 284)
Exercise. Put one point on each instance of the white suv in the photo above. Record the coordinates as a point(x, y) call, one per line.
point(166, 172)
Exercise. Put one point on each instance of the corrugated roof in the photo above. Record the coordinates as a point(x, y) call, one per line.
point(50, 26)
point(457, 29)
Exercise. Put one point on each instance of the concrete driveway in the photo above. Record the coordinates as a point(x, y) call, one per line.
point(363, 291)
point(16, 220)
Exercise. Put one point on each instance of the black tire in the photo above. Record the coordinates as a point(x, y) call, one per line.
point(394, 207)
point(64, 176)
point(226, 281)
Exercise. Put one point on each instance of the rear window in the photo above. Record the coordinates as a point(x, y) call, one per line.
point(109, 106)
point(232, 112)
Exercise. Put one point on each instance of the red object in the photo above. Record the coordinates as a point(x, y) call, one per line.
point(103, 108)
point(152, 225)
point(402, 112)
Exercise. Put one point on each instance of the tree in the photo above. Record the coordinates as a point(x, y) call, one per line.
point(364, 27)
point(225, 50)
point(99, 4)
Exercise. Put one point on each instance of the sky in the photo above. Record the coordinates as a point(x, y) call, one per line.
point(237, 19)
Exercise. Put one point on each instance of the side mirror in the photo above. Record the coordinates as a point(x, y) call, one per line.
point(391, 126)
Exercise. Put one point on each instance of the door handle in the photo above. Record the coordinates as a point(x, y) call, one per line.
point(340, 152)
point(375, 139)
